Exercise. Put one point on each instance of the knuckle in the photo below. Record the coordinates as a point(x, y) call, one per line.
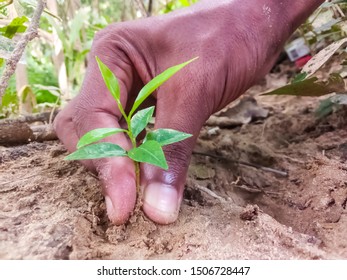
point(106, 32)
point(83, 114)
point(61, 120)
point(115, 46)
point(178, 156)
point(110, 38)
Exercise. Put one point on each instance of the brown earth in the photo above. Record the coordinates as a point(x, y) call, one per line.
point(52, 209)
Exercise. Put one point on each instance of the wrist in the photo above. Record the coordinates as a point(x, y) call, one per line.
point(277, 19)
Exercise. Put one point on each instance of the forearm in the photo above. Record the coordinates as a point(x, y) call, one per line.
point(279, 19)
point(282, 17)
point(291, 13)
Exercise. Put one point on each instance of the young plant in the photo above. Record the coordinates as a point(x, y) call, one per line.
point(150, 150)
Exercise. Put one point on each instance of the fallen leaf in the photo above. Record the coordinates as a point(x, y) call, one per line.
point(242, 112)
point(322, 57)
point(201, 171)
point(312, 87)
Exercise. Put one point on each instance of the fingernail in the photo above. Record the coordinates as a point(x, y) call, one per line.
point(109, 207)
point(161, 203)
point(117, 215)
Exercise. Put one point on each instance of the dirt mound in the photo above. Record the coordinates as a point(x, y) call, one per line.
point(52, 209)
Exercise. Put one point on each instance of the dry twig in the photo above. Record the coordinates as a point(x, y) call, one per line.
point(18, 51)
point(209, 192)
point(257, 166)
point(18, 131)
point(194, 185)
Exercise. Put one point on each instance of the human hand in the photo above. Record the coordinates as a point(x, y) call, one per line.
point(233, 51)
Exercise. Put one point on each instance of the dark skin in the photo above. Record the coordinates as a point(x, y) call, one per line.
point(237, 42)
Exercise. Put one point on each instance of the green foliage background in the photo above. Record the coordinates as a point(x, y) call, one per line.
point(75, 23)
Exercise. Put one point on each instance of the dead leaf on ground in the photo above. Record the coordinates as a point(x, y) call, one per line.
point(201, 171)
point(312, 87)
point(243, 112)
point(322, 57)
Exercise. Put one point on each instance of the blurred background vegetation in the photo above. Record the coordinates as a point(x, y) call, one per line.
point(53, 67)
point(54, 64)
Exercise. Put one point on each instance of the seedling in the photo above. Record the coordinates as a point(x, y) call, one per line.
point(150, 150)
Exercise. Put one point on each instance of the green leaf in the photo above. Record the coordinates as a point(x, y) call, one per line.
point(99, 150)
point(185, 3)
point(299, 77)
point(96, 135)
point(312, 87)
point(109, 79)
point(149, 152)
point(16, 26)
point(140, 120)
point(166, 136)
point(149, 88)
point(111, 83)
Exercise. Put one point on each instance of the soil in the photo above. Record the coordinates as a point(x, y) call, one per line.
point(53, 209)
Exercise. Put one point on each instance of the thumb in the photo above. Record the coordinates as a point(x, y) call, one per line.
point(163, 189)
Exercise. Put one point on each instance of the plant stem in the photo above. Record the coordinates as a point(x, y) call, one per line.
point(137, 174)
point(136, 164)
